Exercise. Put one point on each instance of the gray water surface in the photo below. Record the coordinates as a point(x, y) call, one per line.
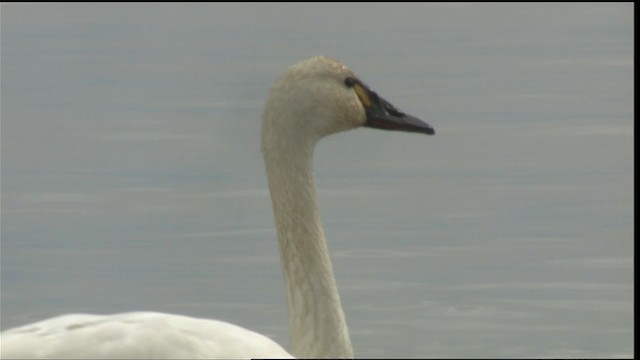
point(132, 176)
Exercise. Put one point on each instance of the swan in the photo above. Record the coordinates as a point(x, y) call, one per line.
point(314, 98)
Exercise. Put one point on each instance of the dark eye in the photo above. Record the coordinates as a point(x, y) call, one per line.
point(349, 81)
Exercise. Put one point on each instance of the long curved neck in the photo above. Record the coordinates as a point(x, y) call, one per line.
point(317, 324)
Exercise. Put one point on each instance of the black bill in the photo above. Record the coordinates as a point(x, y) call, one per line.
point(382, 115)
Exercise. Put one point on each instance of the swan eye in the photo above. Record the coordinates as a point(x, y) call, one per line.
point(349, 82)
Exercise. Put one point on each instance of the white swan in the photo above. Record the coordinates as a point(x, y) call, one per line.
point(314, 98)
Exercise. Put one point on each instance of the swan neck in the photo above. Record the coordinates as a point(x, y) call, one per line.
point(317, 323)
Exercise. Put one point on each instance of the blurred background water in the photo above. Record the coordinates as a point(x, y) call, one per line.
point(132, 178)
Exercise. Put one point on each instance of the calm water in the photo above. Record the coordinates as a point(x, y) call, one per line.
point(132, 179)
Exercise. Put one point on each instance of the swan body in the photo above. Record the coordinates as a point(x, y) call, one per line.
point(314, 98)
point(135, 335)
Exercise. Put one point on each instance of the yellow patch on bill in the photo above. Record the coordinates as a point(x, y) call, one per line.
point(362, 94)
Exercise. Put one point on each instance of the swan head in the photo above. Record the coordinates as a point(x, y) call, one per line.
point(319, 97)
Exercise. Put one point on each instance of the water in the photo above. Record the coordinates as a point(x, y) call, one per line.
point(132, 179)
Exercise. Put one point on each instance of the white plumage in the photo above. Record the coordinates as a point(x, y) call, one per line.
point(314, 98)
point(135, 335)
